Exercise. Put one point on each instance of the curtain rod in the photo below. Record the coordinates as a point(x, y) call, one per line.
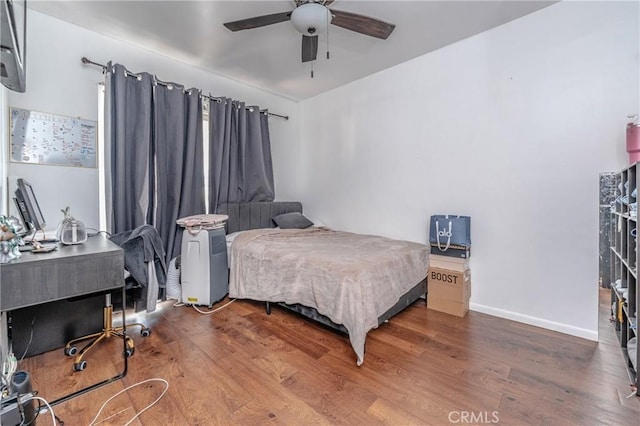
point(86, 61)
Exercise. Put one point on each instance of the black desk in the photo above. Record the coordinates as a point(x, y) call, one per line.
point(70, 271)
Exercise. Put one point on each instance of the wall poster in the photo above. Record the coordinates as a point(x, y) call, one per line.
point(41, 138)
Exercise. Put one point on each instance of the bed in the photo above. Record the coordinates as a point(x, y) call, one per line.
point(349, 282)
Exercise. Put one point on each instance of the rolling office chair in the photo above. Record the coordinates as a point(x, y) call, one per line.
point(144, 262)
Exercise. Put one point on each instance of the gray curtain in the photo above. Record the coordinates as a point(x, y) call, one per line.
point(156, 154)
point(178, 160)
point(258, 164)
point(240, 164)
point(130, 131)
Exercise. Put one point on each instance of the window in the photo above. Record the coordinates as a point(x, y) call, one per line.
point(104, 221)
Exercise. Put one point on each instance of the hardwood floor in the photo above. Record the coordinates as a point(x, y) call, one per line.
point(240, 366)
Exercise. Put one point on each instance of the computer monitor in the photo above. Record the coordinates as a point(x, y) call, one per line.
point(28, 207)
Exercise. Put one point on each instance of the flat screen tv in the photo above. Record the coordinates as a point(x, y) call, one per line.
point(13, 44)
point(28, 207)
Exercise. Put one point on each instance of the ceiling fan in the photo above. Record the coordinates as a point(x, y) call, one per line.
point(310, 18)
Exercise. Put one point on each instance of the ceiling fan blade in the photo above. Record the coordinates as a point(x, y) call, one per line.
point(362, 24)
point(309, 48)
point(258, 21)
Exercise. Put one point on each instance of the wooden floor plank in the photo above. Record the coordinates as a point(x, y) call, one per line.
point(391, 414)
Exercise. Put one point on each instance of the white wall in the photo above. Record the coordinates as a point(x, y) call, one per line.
point(511, 127)
point(58, 83)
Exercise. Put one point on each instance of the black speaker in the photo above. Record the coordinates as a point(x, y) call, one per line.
point(21, 384)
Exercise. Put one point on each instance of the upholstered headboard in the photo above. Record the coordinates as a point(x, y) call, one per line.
point(254, 215)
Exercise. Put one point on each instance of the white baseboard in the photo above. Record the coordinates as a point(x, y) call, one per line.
point(538, 322)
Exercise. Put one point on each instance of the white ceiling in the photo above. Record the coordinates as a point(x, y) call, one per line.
point(269, 57)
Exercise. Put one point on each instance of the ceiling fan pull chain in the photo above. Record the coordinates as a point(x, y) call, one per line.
point(328, 22)
point(312, 68)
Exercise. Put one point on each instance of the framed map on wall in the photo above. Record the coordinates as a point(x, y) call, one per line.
point(42, 138)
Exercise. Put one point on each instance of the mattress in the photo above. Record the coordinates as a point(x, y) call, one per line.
point(350, 278)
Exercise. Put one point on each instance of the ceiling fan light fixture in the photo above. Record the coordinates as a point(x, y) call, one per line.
point(310, 18)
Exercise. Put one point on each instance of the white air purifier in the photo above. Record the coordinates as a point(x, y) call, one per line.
point(204, 270)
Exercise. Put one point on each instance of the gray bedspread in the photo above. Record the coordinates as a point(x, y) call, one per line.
point(350, 278)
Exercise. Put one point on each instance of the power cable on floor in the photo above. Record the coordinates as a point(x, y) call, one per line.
point(216, 309)
point(40, 399)
point(93, 422)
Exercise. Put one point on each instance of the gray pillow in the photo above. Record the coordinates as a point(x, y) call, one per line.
point(292, 220)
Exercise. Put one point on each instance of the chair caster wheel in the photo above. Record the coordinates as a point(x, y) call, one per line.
point(70, 351)
point(146, 332)
point(80, 366)
point(131, 349)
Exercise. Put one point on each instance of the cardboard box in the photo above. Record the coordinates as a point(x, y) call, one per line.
point(458, 309)
point(446, 284)
point(447, 262)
